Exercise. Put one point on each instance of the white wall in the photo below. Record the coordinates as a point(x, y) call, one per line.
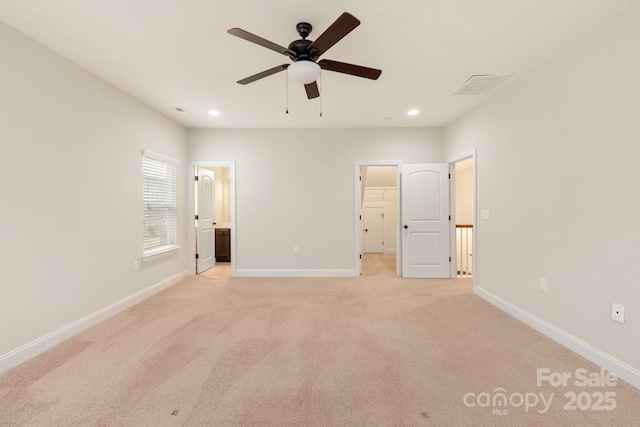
point(295, 188)
point(557, 152)
point(70, 185)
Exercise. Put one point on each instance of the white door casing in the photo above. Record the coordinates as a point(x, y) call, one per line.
point(205, 233)
point(425, 221)
point(373, 229)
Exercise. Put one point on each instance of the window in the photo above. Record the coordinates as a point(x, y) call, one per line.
point(159, 196)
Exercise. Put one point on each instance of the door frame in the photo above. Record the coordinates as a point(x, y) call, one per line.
point(191, 211)
point(357, 187)
point(471, 153)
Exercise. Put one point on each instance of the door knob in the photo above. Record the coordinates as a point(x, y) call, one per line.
point(366, 229)
point(406, 226)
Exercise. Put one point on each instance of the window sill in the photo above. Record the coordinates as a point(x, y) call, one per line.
point(160, 252)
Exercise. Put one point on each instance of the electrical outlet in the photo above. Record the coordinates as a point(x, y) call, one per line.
point(617, 312)
point(543, 285)
point(136, 265)
point(296, 249)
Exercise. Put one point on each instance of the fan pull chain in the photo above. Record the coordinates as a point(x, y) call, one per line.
point(287, 91)
point(321, 92)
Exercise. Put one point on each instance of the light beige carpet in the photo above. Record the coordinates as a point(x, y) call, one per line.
point(369, 351)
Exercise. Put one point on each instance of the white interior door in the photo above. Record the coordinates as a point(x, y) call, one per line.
point(425, 221)
point(373, 230)
point(205, 233)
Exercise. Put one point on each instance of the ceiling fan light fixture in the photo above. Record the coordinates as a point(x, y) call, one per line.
point(305, 52)
point(304, 71)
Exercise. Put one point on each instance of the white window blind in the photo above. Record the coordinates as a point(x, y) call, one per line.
point(159, 195)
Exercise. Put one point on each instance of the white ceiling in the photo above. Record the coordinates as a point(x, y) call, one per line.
point(170, 53)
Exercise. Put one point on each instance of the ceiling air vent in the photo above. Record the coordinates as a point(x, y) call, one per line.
point(478, 84)
point(183, 111)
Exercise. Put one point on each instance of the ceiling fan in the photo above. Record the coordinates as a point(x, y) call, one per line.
point(304, 53)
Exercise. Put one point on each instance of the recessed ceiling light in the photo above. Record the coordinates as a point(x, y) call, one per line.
point(214, 113)
point(413, 112)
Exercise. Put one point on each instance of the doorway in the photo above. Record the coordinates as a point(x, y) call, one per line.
point(463, 201)
point(418, 252)
point(223, 238)
point(464, 217)
point(377, 215)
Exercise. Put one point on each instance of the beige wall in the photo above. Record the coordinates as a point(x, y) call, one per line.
point(295, 187)
point(557, 151)
point(71, 185)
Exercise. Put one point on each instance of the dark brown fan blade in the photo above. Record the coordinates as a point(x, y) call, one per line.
point(312, 90)
point(354, 70)
point(263, 74)
point(332, 35)
point(238, 32)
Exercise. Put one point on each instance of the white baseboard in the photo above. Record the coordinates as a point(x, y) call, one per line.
point(34, 348)
point(623, 371)
point(294, 273)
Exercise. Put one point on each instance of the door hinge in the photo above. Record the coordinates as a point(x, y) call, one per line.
point(196, 217)
point(449, 176)
point(360, 217)
point(382, 215)
point(449, 217)
point(360, 256)
point(197, 256)
point(383, 243)
point(449, 259)
point(196, 177)
point(360, 177)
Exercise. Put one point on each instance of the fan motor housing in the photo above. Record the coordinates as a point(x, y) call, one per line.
point(301, 48)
